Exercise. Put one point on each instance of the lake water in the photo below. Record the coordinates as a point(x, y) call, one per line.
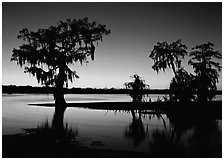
point(113, 130)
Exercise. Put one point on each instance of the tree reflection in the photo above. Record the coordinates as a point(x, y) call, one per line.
point(55, 132)
point(136, 129)
point(206, 139)
point(165, 144)
point(58, 125)
point(187, 137)
point(182, 134)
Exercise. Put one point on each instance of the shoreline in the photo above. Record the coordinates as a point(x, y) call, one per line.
point(212, 108)
point(132, 104)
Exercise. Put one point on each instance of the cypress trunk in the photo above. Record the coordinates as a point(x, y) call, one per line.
point(60, 107)
point(60, 103)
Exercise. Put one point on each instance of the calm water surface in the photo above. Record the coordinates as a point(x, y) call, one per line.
point(107, 129)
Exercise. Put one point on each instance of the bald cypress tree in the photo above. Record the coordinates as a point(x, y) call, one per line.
point(203, 60)
point(47, 53)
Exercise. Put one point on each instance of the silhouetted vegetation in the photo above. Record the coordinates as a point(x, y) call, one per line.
point(185, 124)
point(206, 69)
point(167, 55)
point(137, 87)
point(184, 85)
point(47, 53)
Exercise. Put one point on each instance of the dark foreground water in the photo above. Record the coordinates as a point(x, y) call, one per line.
point(156, 134)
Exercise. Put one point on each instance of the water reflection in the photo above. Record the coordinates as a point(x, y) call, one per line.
point(136, 130)
point(181, 136)
point(154, 133)
point(45, 140)
point(187, 139)
point(56, 132)
point(166, 144)
point(141, 126)
point(205, 140)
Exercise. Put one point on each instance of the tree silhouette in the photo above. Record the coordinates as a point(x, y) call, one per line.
point(137, 87)
point(182, 86)
point(47, 53)
point(167, 55)
point(206, 69)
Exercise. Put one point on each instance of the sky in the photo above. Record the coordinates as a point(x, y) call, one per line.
point(135, 28)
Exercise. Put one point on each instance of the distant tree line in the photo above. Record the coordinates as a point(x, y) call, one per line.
point(10, 89)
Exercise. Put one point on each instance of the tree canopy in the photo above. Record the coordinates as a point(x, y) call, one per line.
point(167, 55)
point(47, 53)
point(183, 84)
